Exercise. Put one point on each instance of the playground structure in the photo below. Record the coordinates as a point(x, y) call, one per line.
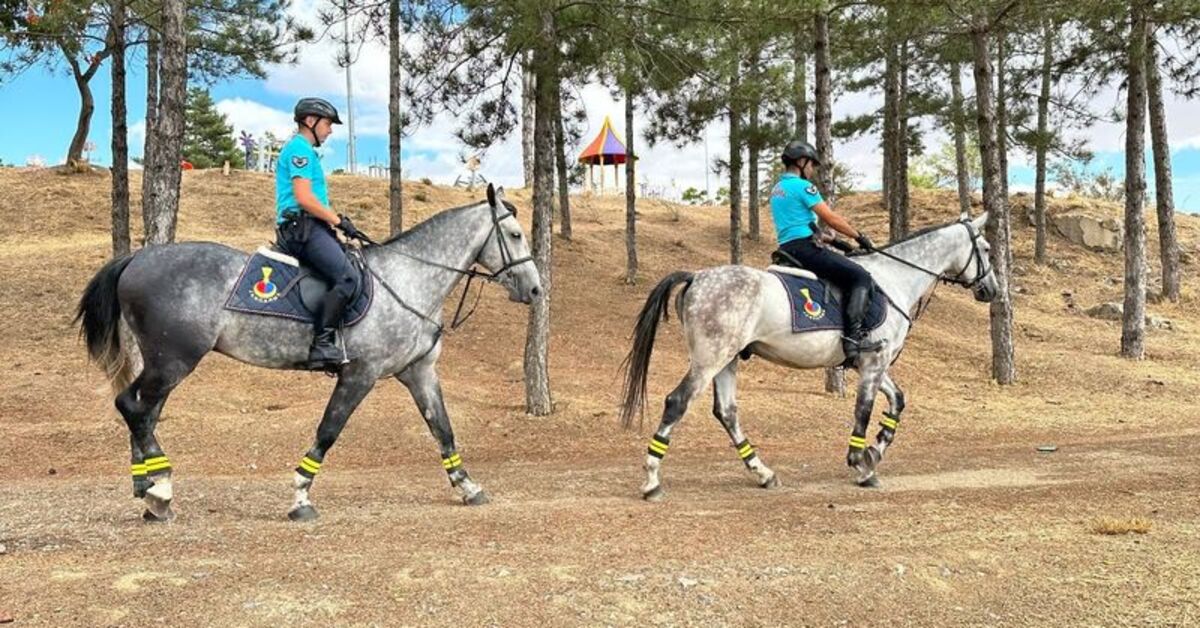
point(606, 149)
point(470, 176)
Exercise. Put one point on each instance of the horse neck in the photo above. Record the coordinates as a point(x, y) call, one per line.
point(935, 252)
point(450, 240)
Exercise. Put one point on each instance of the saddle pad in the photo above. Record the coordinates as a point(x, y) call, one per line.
point(270, 285)
point(816, 308)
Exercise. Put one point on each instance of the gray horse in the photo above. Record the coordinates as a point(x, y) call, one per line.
point(150, 317)
point(732, 310)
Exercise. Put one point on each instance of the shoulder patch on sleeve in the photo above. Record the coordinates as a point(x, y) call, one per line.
point(299, 161)
point(812, 189)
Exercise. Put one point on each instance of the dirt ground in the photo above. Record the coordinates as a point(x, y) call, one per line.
point(973, 526)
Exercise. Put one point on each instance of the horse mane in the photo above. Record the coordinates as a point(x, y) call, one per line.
point(918, 233)
point(440, 216)
point(435, 219)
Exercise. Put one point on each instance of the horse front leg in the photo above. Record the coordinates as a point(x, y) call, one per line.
point(858, 456)
point(354, 382)
point(422, 382)
point(891, 417)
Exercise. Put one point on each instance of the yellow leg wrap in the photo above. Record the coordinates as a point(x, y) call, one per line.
point(858, 442)
point(658, 447)
point(889, 423)
point(452, 462)
point(156, 464)
point(138, 469)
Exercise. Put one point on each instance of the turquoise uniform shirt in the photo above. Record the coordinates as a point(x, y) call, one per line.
point(298, 158)
point(792, 201)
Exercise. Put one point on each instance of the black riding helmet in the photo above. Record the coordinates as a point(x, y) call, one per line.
point(797, 150)
point(318, 107)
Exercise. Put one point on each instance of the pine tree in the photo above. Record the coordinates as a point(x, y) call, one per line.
point(207, 135)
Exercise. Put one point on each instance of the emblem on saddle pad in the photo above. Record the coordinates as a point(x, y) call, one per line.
point(264, 291)
point(812, 309)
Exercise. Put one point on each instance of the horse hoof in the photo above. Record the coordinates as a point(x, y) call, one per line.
point(478, 499)
point(140, 487)
point(870, 482)
point(303, 513)
point(771, 482)
point(655, 494)
point(164, 516)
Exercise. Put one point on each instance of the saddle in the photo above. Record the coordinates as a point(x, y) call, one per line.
point(816, 304)
point(273, 283)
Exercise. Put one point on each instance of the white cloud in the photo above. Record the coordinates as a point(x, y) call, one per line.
point(255, 118)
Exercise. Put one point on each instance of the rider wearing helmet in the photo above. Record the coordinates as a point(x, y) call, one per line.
point(795, 206)
point(306, 223)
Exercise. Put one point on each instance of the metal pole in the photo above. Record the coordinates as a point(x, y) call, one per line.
point(350, 156)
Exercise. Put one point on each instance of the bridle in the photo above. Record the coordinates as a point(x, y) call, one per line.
point(980, 273)
point(506, 257)
point(976, 256)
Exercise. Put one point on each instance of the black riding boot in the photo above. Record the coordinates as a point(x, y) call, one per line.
point(325, 354)
point(855, 341)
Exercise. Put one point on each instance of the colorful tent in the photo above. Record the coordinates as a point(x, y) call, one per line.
point(606, 149)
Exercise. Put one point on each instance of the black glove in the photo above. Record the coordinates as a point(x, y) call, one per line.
point(864, 242)
point(349, 229)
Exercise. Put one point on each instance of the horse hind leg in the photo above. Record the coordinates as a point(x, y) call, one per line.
point(674, 408)
point(140, 405)
point(726, 411)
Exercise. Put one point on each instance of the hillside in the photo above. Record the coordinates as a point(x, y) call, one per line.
point(974, 518)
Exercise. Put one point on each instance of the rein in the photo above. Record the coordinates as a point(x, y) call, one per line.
point(470, 273)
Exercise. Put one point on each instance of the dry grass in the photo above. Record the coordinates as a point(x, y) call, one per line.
point(1114, 526)
point(980, 529)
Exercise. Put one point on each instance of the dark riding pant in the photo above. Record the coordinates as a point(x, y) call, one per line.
point(853, 280)
point(312, 242)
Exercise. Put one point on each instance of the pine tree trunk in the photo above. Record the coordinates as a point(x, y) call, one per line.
point(1004, 369)
point(150, 137)
point(901, 172)
point(752, 172)
point(631, 260)
point(891, 89)
point(528, 97)
point(1043, 145)
point(166, 174)
point(1164, 194)
point(1002, 110)
point(799, 84)
point(120, 137)
point(395, 180)
point(560, 161)
point(835, 378)
point(735, 168)
point(538, 400)
point(1133, 325)
point(963, 174)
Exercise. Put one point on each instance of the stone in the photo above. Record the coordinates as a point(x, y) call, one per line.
point(1097, 234)
point(1159, 322)
point(1106, 311)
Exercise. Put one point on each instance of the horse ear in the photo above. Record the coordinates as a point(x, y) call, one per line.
point(980, 221)
point(491, 195)
point(500, 192)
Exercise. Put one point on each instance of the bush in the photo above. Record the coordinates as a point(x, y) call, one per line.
point(420, 196)
point(426, 181)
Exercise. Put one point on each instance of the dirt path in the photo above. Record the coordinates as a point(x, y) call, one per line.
point(982, 536)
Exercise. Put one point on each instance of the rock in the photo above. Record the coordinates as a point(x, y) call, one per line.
point(1159, 322)
point(3, 549)
point(6, 617)
point(1097, 234)
point(687, 583)
point(1106, 311)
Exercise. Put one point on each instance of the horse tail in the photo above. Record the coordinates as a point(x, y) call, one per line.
point(637, 361)
point(100, 324)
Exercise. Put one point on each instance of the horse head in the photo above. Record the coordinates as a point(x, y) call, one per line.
point(506, 252)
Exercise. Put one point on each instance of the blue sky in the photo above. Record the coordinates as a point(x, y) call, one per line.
point(41, 106)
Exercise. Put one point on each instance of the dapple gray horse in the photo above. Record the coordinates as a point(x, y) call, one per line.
point(732, 310)
point(150, 317)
